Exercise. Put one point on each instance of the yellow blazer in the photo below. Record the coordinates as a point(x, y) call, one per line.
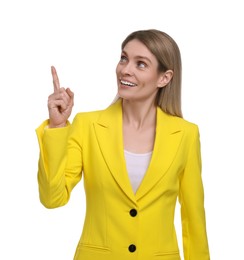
point(121, 225)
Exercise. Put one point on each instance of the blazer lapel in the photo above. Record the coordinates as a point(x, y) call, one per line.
point(167, 141)
point(109, 134)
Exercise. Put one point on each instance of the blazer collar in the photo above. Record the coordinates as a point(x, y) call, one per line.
point(109, 134)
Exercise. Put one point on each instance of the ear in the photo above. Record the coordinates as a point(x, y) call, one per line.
point(165, 78)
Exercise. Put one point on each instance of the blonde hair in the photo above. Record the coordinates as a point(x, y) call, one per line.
point(167, 53)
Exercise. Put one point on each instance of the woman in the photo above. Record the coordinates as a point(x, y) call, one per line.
point(137, 156)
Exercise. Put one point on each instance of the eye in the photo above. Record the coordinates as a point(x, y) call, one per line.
point(141, 64)
point(123, 59)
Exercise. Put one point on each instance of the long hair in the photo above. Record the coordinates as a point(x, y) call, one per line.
point(167, 53)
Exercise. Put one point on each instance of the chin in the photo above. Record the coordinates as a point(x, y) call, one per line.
point(123, 95)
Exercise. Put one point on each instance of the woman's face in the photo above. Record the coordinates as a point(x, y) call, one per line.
point(137, 73)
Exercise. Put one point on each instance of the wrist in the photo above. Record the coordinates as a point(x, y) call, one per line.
point(50, 125)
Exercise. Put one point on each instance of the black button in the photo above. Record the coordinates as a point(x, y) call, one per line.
point(133, 212)
point(132, 248)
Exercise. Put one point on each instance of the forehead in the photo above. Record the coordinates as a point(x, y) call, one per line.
point(138, 49)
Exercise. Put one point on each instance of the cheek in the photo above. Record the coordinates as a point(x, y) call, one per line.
point(150, 87)
point(117, 69)
point(149, 82)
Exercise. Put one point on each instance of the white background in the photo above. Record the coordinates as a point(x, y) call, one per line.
point(82, 39)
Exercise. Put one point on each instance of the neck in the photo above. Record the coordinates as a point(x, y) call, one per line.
point(139, 115)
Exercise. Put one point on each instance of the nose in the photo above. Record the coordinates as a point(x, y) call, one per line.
point(127, 69)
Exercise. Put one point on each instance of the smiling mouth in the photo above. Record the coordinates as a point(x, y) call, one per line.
point(127, 83)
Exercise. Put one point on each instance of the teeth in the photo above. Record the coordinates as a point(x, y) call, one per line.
point(127, 83)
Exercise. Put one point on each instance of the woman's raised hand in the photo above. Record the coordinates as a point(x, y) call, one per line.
point(60, 103)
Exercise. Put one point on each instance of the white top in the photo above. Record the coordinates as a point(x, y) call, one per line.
point(137, 164)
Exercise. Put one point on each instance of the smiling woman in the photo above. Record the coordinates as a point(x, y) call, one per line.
point(162, 52)
point(138, 74)
point(137, 157)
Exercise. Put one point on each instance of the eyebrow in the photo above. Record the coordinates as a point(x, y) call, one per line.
point(139, 57)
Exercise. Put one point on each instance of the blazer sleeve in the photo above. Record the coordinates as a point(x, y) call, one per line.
point(191, 198)
point(60, 163)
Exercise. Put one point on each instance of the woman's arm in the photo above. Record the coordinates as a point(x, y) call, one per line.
point(60, 163)
point(191, 198)
point(59, 167)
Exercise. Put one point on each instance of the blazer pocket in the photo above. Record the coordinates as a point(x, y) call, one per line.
point(91, 252)
point(93, 247)
point(172, 255)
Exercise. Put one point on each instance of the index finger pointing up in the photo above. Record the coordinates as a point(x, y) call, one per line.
point(56, 84)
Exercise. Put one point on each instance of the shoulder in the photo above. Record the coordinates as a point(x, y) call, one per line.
point(175, 123)
point(97, 115)
point(188, 130)
point(185, 124)
point(87, 117)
